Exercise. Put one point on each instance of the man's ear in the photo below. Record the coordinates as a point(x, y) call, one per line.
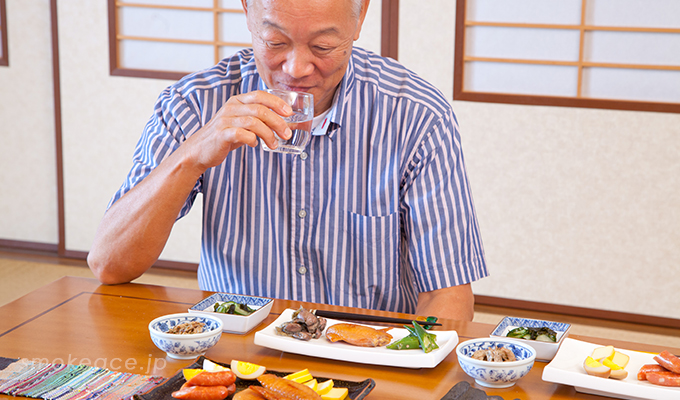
point(362, 16)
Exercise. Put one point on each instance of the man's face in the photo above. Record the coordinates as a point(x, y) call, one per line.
point(303, 45)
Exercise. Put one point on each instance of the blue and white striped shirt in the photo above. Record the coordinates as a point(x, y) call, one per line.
point(377, 209)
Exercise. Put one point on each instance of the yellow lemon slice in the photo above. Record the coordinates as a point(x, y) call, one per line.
point(325, 387)
point(191, 372)
point(246, 370)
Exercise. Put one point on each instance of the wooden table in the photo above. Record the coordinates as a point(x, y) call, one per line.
point(79, 321)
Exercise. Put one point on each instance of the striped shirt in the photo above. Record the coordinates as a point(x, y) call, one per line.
point(377, 209)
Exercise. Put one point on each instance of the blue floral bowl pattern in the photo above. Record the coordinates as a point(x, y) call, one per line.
point(495, 374)
point(186, 346)
point(545, 351)
point(234, 323)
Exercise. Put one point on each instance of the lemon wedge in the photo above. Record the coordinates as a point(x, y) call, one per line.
point(335, 394)
point(246, 370)
point(325, 387)
point(191, 372)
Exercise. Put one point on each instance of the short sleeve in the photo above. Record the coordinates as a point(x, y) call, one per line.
point(173, 120)
point(444, 243)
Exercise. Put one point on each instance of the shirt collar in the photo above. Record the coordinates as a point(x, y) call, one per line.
point(340, 99)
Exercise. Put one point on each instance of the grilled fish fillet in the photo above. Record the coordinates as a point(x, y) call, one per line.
point(359, 335)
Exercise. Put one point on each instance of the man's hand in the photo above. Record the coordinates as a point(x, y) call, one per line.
point(456, 302)
point(241, 120)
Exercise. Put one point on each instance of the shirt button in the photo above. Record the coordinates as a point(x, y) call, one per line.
point(302, 270)
point(303, 156)
point(302, 213)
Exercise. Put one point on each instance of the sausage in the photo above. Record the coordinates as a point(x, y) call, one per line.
point(202, 392)
point(647, 368)
point(664, 378)
point(218, 378)
point(668, 361)
point(231, 389)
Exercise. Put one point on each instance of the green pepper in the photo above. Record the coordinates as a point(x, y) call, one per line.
point(428, 341)
point(405, 343)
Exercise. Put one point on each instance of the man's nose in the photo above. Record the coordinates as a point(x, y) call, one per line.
point(299, 64)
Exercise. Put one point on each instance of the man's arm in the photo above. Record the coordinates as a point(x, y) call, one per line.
point(456, 302)
point(134, 230)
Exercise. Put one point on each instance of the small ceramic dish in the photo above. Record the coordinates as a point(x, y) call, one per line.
point(495, 374)
point(185, 346)
point(234, 323)
point(545, 351)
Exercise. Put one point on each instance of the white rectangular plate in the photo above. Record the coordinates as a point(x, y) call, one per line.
point(567, 368)
point(416, 358)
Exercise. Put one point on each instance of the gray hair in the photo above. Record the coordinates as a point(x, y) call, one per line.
point(356, 7)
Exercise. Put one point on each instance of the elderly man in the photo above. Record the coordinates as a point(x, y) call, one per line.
point(377, 211)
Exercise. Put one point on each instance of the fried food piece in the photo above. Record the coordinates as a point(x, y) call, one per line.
point(279, 388)
point(249, 394)
point(359, 335)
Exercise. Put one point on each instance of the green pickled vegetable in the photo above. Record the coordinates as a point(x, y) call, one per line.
point(543, 334)
point(231, 307)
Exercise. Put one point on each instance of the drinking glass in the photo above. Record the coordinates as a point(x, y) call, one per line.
point(300, 123)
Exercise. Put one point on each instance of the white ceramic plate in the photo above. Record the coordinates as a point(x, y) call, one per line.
point(567, 368)
point(447, 341)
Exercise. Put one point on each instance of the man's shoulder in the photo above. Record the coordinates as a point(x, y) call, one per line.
point(391, 78)
point(228, 72)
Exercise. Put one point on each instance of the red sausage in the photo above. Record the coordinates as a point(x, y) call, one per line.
point(231, 389)
point(647, 368)
point(218, 378)
point(665, 378)
point(202, 393)
point(668, 361)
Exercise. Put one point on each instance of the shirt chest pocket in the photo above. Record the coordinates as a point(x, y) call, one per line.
point(371, 259)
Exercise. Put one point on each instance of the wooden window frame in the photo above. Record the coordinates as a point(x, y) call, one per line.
point(4, 58)
point(389, 37)
point(460, 58)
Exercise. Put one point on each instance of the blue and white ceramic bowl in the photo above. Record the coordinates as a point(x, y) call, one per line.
point(232, 323)
point(545, 351)
point(495, 374)
point(186, 346)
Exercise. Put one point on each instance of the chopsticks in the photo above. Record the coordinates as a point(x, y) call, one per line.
point(366, 317)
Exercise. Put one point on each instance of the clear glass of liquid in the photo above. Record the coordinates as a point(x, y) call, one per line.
point(300, 123)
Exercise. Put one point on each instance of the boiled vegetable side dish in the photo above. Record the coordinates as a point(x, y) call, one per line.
point(418, 338)
point(232, 307)
point(542, 334)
